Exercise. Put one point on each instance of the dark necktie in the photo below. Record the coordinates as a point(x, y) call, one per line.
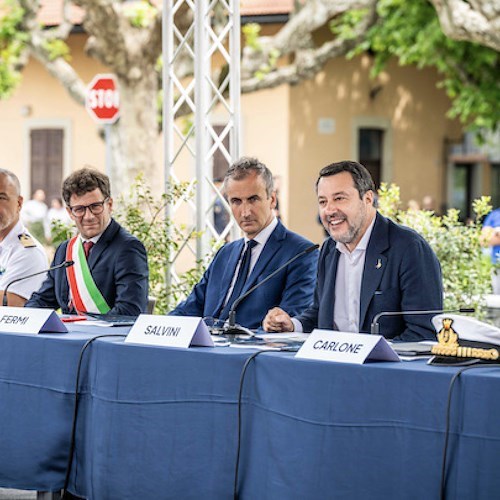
point(87, 245)
point(240, 280)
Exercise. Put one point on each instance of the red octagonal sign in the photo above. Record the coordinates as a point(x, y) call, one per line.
point(103, 99)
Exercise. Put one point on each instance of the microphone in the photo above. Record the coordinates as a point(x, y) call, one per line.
point(66, 263)
point(231, 327)
point(375, 330)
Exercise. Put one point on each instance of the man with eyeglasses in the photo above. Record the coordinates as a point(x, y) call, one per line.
point(110, 271)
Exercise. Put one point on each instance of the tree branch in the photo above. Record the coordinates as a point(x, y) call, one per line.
point(474, 21)
point(307, 61)
point(57, 67)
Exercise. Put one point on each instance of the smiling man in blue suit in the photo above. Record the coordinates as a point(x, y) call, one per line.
point(367, 266)
point(266, 246)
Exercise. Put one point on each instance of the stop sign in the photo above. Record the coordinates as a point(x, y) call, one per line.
point(103, 99)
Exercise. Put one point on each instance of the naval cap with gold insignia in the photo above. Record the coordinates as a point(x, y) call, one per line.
point(464, 340)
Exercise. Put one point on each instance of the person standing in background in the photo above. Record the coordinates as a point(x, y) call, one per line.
point(56, 212)
point(491, 235)
point(34, 213)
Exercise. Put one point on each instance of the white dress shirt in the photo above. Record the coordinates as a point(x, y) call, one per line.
point(348, 284)
point(261, 240)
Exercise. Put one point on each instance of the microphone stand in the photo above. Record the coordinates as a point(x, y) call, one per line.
point(66, 263)
point(375, 327)
point(231, 327)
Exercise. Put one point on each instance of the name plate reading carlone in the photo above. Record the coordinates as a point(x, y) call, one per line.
point(170, 331)
point(346, 347)
point(30, 321)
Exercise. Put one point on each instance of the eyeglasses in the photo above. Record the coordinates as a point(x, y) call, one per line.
point(95, 208)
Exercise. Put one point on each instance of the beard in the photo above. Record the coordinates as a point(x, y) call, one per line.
point(353, 230)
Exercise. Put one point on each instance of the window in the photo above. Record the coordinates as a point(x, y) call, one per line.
point(370, 147)
point(46, 155)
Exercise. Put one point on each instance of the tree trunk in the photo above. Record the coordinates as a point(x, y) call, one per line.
point(133, 138)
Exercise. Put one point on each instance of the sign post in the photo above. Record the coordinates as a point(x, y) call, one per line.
point(102, 101)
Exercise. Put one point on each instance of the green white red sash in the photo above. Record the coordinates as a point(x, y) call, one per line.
point(84, 293)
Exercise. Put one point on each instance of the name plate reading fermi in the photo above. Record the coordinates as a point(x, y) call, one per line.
point(30, 321)
point(346, 347)
point(170, 331)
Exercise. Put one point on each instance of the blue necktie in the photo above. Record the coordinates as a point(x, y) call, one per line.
point(240, 280)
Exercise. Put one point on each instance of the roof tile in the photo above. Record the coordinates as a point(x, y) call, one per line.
point(51, 10)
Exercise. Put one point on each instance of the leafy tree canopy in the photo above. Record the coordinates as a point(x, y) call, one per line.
point(410, 31)
point(12, 43)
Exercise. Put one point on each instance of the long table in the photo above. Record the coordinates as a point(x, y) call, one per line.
point(159, 423)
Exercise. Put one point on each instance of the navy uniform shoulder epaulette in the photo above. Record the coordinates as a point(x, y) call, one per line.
point(26, 240)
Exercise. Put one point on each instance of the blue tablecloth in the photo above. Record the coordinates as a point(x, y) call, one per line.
point(159, 423)
point(318, 430)
point(37, 384)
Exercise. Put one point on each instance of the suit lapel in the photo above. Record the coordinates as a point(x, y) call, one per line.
point(102, 244)
point(327, 298)
point(375, 264)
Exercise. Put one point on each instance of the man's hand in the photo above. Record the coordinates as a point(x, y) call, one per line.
point(277, 320)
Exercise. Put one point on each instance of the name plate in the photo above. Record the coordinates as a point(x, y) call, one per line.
point(346, 347)
point(30, 321)
point(170, 331)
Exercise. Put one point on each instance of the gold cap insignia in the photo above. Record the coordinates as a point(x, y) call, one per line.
point(449, 346)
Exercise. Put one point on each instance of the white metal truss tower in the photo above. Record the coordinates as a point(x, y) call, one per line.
point(201, 116)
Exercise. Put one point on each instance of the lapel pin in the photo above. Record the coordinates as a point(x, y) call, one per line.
point(379, 264)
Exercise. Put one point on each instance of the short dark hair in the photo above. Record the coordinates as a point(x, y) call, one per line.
point(13, 178)
point(83, 181)
point(241, 169)
point(363, 181)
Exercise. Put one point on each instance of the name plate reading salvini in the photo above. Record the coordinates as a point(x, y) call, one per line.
point(345, 347)
point(30, 321)
point(170, 331)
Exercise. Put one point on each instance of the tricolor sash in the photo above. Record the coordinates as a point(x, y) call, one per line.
point(84, 293)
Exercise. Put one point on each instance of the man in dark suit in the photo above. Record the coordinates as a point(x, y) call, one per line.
point(239, 265)
point(110, 271)
point(367, 266)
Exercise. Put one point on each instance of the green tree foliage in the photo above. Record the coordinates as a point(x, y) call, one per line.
point(409, 30)
point(12, 42)
point(466, 270)
point(143, 215)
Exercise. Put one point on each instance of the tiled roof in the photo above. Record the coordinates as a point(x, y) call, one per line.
point(51, 10)
point(51, 13)
point(265, 7)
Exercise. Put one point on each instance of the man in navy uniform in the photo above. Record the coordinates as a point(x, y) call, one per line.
point(20, 253)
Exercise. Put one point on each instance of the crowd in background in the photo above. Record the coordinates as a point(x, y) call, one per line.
point(39, 218)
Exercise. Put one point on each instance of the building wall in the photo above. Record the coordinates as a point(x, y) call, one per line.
point(40, 101)
point(279, 126)
point(405, 102)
